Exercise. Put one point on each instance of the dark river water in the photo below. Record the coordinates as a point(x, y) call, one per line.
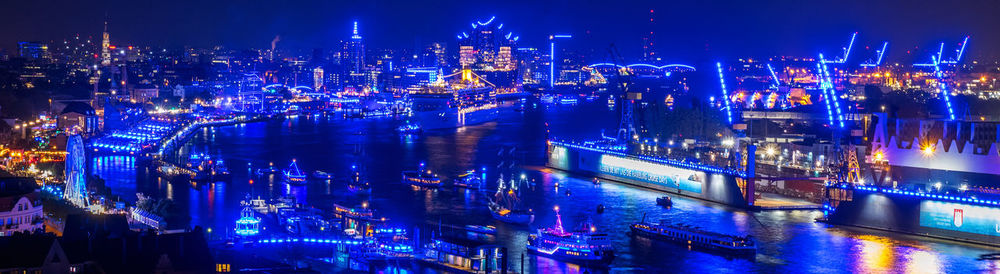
point(789, 241)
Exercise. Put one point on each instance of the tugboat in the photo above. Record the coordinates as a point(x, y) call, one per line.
point(470, 179)
point(293, 174)
point(506, 205)
point(695, 237)
point(664, 201)
point(319, 174)
point(422, 177)
point(585, 246)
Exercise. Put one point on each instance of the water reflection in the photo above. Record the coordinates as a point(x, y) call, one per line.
point(789, 241)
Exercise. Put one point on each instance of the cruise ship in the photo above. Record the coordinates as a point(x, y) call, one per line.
point(456, 100)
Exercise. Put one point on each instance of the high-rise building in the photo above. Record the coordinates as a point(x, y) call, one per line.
point(106, 46)
point(317, 78)
point(353, 56)
point(648, 49)
point(33, 51)
point(466, 56)
point(481, 51)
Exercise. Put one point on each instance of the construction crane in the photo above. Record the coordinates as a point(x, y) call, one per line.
point(877, 59)
point(847, 50)
point(626, 128)
point(944, 89)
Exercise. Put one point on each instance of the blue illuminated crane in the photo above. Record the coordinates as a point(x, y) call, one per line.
point(830, 94)
point(847, 50)
point(725, 94)
point(944, 89)
point(958, 53)
point(774, 76)
point(878, 57)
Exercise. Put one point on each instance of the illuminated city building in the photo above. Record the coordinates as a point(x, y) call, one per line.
point(20, 206)
point(488, 47)
point(35, 51)
point(106, 46)
point(353, 55)
point(317, 78)
point(466, 56)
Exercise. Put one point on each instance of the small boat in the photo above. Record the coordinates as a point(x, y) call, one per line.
point(270, 169)
point(596, 181)
point(293, 174)
point(600, 208)
point(664, 201)
point(409, 129)
point(490, 230)
point(470, 179)
point(319, 174)
point(586, 247)
point(695, 237)
point(421, 177)
point(506, 205)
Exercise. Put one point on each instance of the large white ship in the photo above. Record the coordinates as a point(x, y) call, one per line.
point(455, 100)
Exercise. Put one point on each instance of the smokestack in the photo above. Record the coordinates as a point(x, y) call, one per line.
point(274, 45)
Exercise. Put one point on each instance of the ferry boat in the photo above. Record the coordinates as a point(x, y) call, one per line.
point(586, 247)
point(421, 177)
point(450, 102)
point(506, 205)
point(293, 174)
point(695, 237)
point(470, 179)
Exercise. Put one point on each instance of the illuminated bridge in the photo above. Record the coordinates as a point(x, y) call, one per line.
point(641, 69)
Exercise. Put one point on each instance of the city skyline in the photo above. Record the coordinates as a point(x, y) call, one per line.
point(685, 32)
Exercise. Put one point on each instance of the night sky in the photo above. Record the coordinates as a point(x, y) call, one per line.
point(685, 30)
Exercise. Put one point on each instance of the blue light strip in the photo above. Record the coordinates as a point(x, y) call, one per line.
point(822, 87)
point(832, 92)
point(847, 53)
point(880, 53)
point(962, 50)
point(725, 94)
point(675, 163)
point(773, 75)
point(944, 89)
point(929, 196)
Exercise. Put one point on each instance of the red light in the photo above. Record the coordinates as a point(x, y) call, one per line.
point(129, 47)
point(112, 47)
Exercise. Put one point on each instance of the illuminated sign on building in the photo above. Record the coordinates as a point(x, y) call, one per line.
point(960, 217)
point(683, 179)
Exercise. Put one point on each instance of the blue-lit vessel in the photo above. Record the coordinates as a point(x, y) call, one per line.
point(422, 177)
point(470, 179)
point(293, 174)
point(456, 100)
point(586, 247)
point(695, 237)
